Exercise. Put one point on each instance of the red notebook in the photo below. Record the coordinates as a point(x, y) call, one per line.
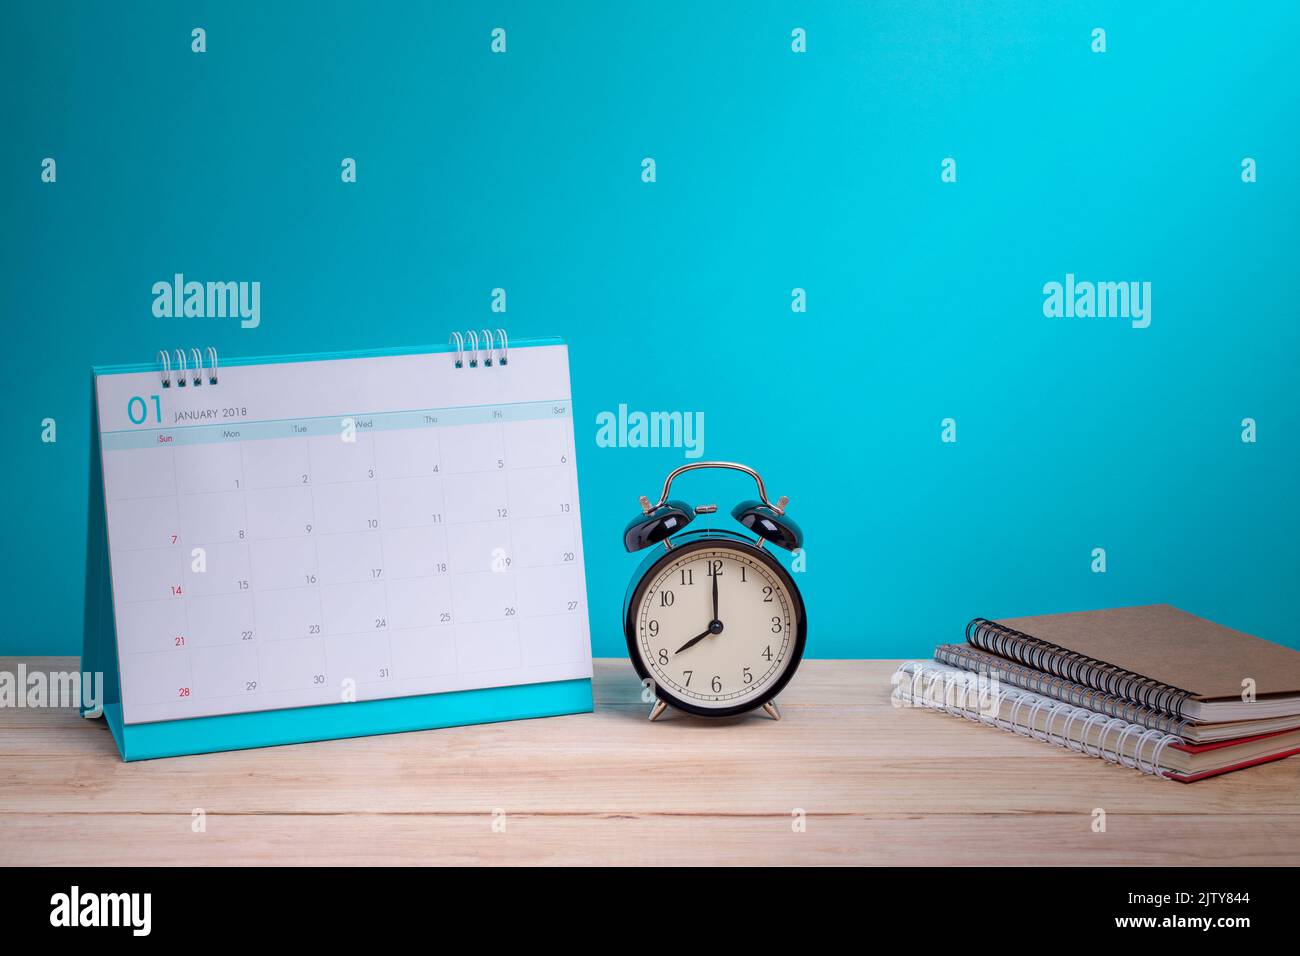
point(1188, 763)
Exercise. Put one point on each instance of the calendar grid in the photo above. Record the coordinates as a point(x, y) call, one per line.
point(451, 597)
point(383, 572)
point(252, 613)
point(185, 650)
point(510, 544)
point(320, 599)
point(320, 526)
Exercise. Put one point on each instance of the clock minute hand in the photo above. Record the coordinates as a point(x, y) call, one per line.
point(715, 597)
point(693, 641)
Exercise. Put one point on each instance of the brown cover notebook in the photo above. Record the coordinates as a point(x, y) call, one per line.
point(1156, 656)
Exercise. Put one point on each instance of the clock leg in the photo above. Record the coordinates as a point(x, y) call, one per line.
point(770, 709)
point(659, 707)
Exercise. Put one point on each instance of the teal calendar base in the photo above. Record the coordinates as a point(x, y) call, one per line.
point(266, 728)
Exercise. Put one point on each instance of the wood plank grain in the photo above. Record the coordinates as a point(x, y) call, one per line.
point(878, 784)
point(621, 839)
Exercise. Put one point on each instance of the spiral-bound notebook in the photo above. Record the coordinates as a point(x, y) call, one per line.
point(317, 546)
point(1156, 656)
point(973, 659)
point(975, 697)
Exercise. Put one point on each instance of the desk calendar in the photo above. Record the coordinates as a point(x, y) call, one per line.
point(320, 546)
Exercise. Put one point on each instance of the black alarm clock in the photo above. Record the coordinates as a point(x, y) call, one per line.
point(713, 620)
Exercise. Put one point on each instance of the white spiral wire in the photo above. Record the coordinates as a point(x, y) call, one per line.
point(485, 347)
point(179, 375)
point(957, 687)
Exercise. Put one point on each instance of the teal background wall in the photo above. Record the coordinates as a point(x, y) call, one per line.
point(775, 170)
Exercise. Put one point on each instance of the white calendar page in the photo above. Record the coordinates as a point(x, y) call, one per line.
point(306, 532)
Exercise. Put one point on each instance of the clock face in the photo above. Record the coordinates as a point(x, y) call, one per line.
point(717, 627)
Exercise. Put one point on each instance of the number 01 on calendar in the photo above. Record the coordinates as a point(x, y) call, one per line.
point(309, 547)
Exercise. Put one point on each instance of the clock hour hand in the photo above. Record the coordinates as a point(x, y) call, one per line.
point(694, 640)
point(715, 627)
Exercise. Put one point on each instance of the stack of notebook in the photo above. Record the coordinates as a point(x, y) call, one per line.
point(1152, 688)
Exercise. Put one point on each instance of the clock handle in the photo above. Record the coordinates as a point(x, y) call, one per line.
point(778, 507)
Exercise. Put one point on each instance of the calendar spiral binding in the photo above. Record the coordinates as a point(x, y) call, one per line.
point(1045, 656)
point(483, 351)
point(184, 376)
point(968, 695)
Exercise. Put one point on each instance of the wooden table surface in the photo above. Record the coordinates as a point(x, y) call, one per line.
point(843, 778)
